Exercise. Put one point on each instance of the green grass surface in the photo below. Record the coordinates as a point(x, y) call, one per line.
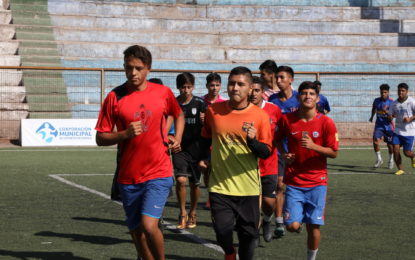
point(368, 216)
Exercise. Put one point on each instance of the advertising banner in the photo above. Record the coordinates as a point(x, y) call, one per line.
point(58, 132)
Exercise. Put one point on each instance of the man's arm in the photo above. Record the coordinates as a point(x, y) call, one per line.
point(260, 149)
point(174, 141)
point(373, 113)
point(107, 139)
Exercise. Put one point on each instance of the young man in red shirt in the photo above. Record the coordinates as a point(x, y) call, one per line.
point(137, 110)
point(268, 168)
point(312, 137)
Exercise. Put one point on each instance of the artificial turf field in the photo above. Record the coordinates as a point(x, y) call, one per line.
point(54, 205)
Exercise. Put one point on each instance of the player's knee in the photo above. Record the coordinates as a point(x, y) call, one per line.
point(408, 154)
point(293, 227)
point(181, 181)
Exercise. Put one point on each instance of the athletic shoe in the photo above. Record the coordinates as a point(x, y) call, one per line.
point(279, 230)
point(399, 172)
point(413, 162)
point(191, 221)
point(391, 164)
point(378, 163)
point(266, 230)
point(182, 222)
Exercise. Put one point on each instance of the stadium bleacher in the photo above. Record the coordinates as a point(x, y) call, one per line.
point(325, 36)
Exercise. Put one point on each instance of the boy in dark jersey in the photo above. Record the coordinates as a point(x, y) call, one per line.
point(239, 133)
point(268, 168)
point(323, 105)
point(383, 125)
point(287, 101)
point(312, 138)
point(186, 161)
point(133, 116)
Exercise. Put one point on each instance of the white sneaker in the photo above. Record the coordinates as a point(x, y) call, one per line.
point(378, 163)
point(390, 165)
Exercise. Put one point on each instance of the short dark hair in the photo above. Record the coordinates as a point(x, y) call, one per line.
point(139, 52)
point(287, 69)
point(241, 71)
point(156, 80)
point(403, 85)
point(258, 80)
point(184, 78)
point(213, 77)
point(384, 87)
point(317, 82)
point(269, 66)
point(308, 85)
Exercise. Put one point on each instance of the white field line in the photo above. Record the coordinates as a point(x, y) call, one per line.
point(168, 225)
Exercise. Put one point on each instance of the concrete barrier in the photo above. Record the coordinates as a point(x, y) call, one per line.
point(10, 77)
point(12, 94)
point(9, 47)
point(9, 60)
point(7, 32)
point(5, 16)
point(4, 4)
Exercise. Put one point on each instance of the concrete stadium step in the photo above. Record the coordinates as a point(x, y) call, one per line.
point(33, 29)
point(233, 39)
point(9, 47)
point(7, 32)
point(237, 54)
point(37, 44)
point(10, 129)
point(362, 3)
point(77, 62)
point(12, 94)
point(38, 51)
point(42, 98)
point(9, 60)
point(29, 8)
point(229, 12)
point(10, 77)
point(14, 114)
point(5, 16)
point(53, 60)
point(245, 25)
point(33, 36)
point(4, 4)
point(51, 114)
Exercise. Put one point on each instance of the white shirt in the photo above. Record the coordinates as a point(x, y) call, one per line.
point(401, 110)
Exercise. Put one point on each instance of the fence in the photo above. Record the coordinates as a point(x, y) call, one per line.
point(42, 92)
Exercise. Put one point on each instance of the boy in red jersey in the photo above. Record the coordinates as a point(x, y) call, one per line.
point(312, 137)
point(268, 168)
point(138, 110)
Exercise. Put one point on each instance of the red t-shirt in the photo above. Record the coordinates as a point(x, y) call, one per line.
point(269, 166)
point(144, 157)
point(309, 168)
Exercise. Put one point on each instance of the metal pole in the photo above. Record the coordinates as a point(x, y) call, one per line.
point(102, 87)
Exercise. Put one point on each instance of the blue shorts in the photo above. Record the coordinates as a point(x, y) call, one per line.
point(406, 141)
point(147, 198)
point(305, 205)
point(380, 132)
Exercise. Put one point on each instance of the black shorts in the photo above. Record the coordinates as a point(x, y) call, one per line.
point(269, 185)
point(241, 212)
point(281, 165)
point(185, 165)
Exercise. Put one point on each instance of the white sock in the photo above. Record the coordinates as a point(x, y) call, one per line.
point(279, 220)
point(311, 254)
point(391, 157)
point(378, 156)
point(267, 218)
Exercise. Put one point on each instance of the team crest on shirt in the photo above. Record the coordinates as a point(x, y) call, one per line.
point(143, 115)
point(194, 111)
point(316, 134)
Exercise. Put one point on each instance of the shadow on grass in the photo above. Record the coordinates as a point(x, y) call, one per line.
point(102, 220)
point(99, 240)
point(356, 169)
point(176, 236)
point(41, 255)
point(178, 257)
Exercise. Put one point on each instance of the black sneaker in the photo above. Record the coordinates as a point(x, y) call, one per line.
point(279, 230)
point(267, 230)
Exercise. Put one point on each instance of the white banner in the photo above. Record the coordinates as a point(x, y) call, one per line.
point(58, 132)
